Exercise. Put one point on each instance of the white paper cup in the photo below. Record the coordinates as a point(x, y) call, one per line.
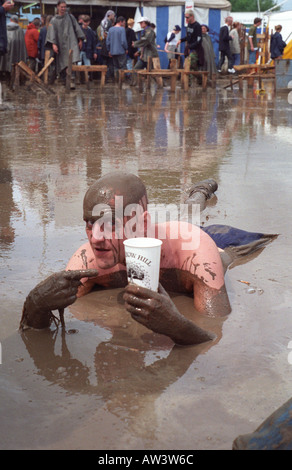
point(143, 261)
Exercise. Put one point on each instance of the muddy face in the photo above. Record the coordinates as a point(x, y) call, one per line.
point(103, 211)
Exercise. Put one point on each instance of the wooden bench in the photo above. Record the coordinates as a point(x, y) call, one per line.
point(91, 68)
point(153, 70)
point(22, 68)
point(256, 71)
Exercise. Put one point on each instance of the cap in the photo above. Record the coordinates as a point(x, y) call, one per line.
point(177, 28)
point(206, 26)
point(144, 18)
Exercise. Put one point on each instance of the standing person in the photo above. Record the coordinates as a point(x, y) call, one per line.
point(107, 22)
point(277, 44)
point(131, 37)
point(235, 43)
point(146, 44)
point(107, 59)
point(42, 40)
point(194, 48)
point(252, 41)
point(171, 43)
point(209, 54)
point(117, 45)
point(16, 49)
point(6, 6)
point(224, 45)
point(64, 33)
point(31, 41)
point(88, 52)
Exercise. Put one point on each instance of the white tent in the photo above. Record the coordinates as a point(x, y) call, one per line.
point(283, 18)
point(165, 14)
point(270, 20)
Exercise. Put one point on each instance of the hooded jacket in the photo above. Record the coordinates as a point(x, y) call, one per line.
point(31, 40)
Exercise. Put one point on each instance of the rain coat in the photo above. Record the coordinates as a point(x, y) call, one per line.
point(65, 32)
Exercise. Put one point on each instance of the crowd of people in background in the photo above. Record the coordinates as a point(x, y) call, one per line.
point(117, 45)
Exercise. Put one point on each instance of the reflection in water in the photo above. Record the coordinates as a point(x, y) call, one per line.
point(52, 148)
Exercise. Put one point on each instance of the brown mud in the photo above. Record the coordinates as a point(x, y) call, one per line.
point(109, 383)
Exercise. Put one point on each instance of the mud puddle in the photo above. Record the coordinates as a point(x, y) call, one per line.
point(108, 383)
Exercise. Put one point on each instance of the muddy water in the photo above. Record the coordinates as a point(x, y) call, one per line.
point(109, 383)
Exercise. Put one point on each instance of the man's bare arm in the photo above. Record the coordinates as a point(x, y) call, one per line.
point(54, 293)
point(156, 311)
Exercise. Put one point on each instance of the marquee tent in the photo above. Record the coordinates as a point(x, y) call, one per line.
point(166, 14)
point(283, 18)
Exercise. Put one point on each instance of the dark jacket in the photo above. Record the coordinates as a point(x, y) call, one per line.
point(3, 32)
point(277, 45)
point(194, 40)
point(131, 37)
point(89, 44)
point(224, 38)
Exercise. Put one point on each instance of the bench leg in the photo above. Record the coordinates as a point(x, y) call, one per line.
point(240, 81)
point(213, 81)
point(86, 79)
point(121, 77)
point(173, 83)
point(102, 79)
point(204, 81)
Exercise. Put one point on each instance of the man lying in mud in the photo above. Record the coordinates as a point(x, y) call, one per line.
point(194, 269)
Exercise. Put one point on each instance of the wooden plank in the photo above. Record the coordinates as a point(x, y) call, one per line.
point(161, 72)
point(46, 74)
point(238, 68)
point(89, 68)
point(46, 66)
point(29, 73)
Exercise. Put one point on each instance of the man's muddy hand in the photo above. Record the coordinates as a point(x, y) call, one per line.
point(60, 289)
point(56, 292)
point(156, 311)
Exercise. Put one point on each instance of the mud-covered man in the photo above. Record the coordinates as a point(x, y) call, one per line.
point(115, 208)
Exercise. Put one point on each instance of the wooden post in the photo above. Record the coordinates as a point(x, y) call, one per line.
point(204, 81)
point(102, 78)
point(240, 82)
point(15, 77)
point(149, 64)
point(157, 66)
point(213, 80)
point(46, 74)
point(69, 71)
point(173, 67)
point(187, 68)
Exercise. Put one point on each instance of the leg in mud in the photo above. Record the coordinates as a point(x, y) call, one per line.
point(233, 243)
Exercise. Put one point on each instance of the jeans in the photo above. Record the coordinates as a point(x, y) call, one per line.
point(129, 63)
point(83, 59)
point(252, 57)
point(236, 59)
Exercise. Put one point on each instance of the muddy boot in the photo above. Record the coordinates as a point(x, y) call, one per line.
point(199, 193)
point(207, 187)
